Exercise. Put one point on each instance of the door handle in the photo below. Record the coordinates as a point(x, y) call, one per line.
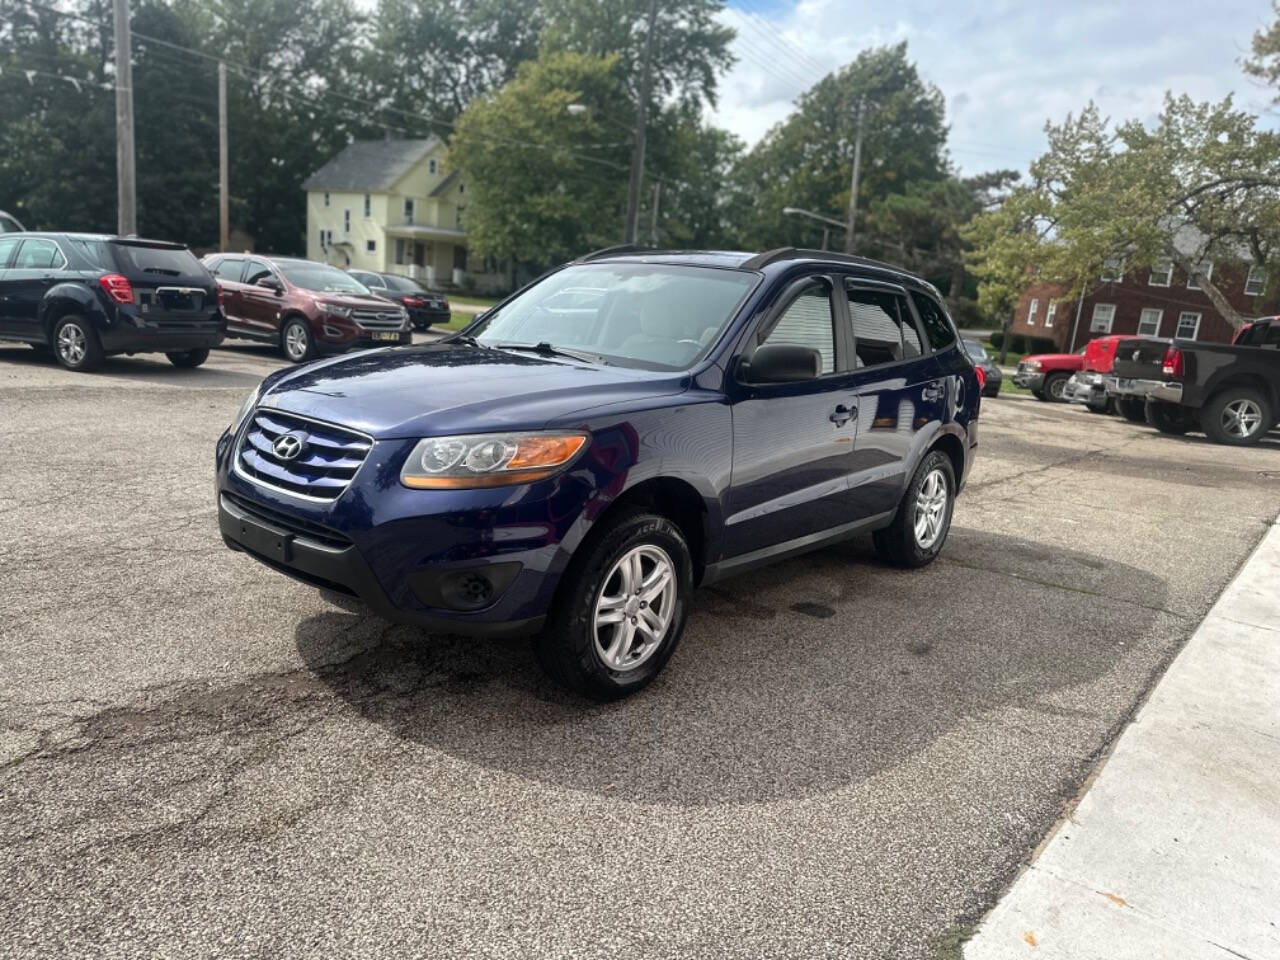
point(842, 415)
point(932, 391)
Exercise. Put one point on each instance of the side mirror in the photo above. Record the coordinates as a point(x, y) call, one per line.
point(271, 283)
point(782, 363)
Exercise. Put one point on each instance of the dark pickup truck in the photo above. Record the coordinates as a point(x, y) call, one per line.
point(1230, 391)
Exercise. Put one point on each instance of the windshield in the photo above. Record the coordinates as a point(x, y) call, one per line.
point(321, 279)
point(653, 316)
point(976, 351)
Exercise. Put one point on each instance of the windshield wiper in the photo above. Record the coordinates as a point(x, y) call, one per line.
point(543, 348)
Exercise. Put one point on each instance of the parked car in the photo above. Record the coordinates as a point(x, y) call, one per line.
point(86, 297)
point(575, 475)
point(305, 308)
point(1046, 374)
point(1087, 386)
point(425, 306)
point(9, 223)
point(1230, 391)
point(992, 378)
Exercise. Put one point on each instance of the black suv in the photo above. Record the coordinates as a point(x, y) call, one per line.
point(425, 306)
point(88, 296)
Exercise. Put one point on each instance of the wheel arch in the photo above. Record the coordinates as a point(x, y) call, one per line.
point(951, 445)
point(1247, 380)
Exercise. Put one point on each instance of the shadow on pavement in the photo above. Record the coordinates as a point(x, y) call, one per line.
point(792, 681)
point(152, 368)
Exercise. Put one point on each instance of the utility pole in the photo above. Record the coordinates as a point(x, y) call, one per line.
point(849, 238)
point(224, 213)
point(126, 175)
point(653, 223)
point(637, 146)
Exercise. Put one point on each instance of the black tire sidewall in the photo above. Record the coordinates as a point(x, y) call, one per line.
point(1132, 409)
point(567, 645)
point(1050, 382)
point(1167, 418)
point(1211, 416)
point(188, 359)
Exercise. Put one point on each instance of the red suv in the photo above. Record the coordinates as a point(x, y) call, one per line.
point(305, 307)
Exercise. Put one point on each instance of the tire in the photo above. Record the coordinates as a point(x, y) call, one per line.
point(910, 541)
point(1054, 384)
point(991, 391)
point(75, 344)
point(296, 342)
point(1169, 418)
point(188, 358)
point(1133, 409)
point(590, 657)
point(1238, 416)
point(1108, 407)
point(1040, 395)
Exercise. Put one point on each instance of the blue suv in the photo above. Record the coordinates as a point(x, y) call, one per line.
point(628, 427)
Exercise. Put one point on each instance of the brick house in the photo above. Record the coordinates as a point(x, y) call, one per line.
point(1158, 301)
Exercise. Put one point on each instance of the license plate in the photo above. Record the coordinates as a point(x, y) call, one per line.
point(386, 336)
point(268, 541)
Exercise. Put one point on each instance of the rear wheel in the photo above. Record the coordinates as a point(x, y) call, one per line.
point(296, 341)
point(188, 358)
point(1133, 409)
point(1238, 416)
point(1169, 417)
point(621, 608)
point(920, 527)
point(76, 345)
point(1055, 386)
point(1040, 395)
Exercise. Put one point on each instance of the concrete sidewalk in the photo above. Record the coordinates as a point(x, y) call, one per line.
point(1174, 851)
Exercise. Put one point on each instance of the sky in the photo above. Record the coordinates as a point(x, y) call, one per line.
point(1004, 67)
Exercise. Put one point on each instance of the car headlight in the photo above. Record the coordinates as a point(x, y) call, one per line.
point(488, 459)
point(335, 310)
point(246, 408)
point(1032, 364)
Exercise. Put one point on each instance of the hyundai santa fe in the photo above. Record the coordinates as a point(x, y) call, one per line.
point(626, 428)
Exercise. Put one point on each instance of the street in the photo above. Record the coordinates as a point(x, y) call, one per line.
point(201, 758)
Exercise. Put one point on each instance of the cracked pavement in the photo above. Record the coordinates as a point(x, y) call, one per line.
point(200, 758)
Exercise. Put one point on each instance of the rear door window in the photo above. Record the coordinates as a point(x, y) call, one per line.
point(38, 254)
point(230, 269)
point(883, 329)
point(158, 262)
point(93, 252)
point(937, 325)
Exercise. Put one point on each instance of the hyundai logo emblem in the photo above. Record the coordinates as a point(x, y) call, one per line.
point(289, 446)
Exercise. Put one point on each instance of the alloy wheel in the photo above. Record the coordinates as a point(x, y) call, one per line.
point(295, 341)
point(931, 508)
point(634, 609)
point(1058, 388)
point(1240, 418)
point(71, 344)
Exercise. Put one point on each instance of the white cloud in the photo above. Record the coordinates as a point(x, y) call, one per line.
point(1005, 67)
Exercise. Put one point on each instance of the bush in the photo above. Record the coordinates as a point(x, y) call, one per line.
point(1018, 343)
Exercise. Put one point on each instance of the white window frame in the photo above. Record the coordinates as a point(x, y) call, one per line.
point(408, 209)
point(1257, 275)
point(1168, 274)
point(1032, 309)
point(1177, 331)
point(1207, 273)
point(368, 206)
point(1142, 317)
point(1111, 318)
point(1049, 312)
point(1108, 277)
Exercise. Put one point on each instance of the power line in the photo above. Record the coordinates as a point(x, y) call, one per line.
point(781, 41)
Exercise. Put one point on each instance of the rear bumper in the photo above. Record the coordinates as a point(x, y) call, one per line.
point(422, 319)
point(1131, 387)
point(169, 338)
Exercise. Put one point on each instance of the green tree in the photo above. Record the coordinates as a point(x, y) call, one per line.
point(695, 164)
point(546, 183)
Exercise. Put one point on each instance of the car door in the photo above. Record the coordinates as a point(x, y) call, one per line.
point(228, 272)
point(260, 306)
point(901, 394)
point(36, 267)
point(8, 247)
point(792, 442)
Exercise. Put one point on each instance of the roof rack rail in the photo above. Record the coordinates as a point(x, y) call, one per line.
point(612, 251)
point(762, 260)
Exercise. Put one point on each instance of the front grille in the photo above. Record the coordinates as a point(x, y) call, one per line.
point(377, 320)
point(321, 470)
point(295, 525)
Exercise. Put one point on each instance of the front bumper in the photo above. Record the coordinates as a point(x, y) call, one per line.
point(1029, 379)
point(334, 339)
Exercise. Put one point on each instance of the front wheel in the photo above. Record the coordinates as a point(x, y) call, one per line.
point(76, 345)
point(1238, 416)
point(1055, 386)
point(1133, 409)
point(187, 358)
point(920, 527)
point(296, 341)
point(621, 608)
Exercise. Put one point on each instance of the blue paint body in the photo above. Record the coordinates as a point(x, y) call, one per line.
point(769, 471)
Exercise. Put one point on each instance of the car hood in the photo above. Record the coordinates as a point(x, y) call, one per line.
point(355, 301)
point(1058, 360)
point(438, 389)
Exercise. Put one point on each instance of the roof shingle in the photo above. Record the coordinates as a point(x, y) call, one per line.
point(370, 164)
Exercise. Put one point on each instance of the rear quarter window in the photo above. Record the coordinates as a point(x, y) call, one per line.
point(158, 261)
point(937, 325)
point(92, 252)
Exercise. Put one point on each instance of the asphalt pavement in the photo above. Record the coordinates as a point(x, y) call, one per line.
point(200, 758)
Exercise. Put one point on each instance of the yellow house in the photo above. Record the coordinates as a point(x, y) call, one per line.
point(394, 207)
